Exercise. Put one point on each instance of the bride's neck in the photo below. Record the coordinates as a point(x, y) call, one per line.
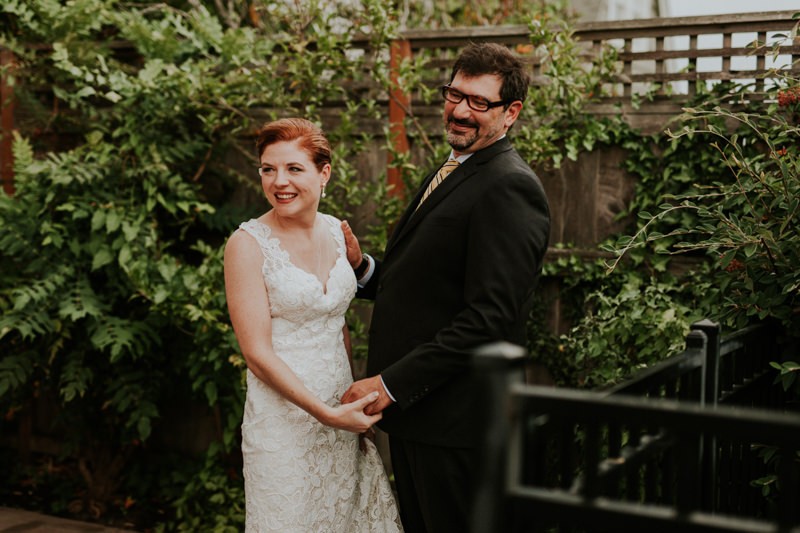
point(306, 225)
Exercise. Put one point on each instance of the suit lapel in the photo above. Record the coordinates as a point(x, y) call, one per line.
point(412, 216)
point(408, 214)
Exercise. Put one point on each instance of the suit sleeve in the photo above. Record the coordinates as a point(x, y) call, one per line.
point(507, 239)
point(368, 291)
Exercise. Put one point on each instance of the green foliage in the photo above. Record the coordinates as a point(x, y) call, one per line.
point(770, 484)
point(207, 500)
point(715, 234)
point(745, 221)
point(788, 374)
point(728, 194)
point(111, 286)
point(631, 328)
point(450, 13)
point(555, 122)
point(622, 321)
point(720, 245)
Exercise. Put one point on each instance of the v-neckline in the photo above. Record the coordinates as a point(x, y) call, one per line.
point(324, 286)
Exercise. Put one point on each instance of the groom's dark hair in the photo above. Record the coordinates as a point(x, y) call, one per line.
point(478, 59)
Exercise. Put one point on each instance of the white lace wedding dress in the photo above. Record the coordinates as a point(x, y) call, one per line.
point(300, 475)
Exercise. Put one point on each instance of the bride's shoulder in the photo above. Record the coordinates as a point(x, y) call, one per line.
point(329, 218)
point(255, 227)
point(240, 240)
point(248, 235)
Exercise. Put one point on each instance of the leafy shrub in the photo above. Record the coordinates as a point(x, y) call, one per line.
point(744, 222)
point(129, 176)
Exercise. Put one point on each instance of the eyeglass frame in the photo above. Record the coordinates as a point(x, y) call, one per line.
point(489, 105)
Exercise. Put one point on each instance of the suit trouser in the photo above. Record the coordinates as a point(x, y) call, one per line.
point(435, 486)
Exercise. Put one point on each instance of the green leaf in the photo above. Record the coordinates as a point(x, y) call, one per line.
point(125, 255)
point(160, 295)
point(98, 219)
point(113, 96)
point(101, 258)
point(211, 392)
point(129, 230)
point(85, 91)
point(727, 257)
point(113, 221)
point(144, 428)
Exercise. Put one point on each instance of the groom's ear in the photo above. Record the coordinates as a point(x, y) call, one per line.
point(512, 113)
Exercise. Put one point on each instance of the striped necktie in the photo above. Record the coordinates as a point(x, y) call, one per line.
point(441, 174)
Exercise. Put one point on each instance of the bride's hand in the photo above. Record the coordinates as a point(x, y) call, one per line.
point(351, 417)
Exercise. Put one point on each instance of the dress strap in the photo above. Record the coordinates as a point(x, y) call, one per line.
point(335, 229)
point(260, 232)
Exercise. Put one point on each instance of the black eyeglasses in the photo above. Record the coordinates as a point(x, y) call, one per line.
point(476, 103)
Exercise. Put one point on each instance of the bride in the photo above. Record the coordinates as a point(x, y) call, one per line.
point(288, 284)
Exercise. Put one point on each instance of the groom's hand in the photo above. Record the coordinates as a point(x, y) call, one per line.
point(362, 387)
point(352, 248)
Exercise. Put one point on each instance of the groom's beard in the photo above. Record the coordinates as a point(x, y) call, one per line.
point(460, 142)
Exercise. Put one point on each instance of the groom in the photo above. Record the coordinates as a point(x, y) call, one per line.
point(458, 272)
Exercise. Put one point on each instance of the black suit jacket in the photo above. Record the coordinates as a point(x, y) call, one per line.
point(456, 274)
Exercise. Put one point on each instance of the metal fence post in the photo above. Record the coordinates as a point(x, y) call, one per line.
point(710, 395)
point(696, 343)
point(497, 366)
point(712, 331)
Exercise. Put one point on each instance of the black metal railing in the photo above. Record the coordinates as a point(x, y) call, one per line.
point(676, 448)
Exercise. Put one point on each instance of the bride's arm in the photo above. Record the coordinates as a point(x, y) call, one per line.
point(248, 306)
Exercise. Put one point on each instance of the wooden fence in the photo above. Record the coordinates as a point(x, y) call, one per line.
point(666, 58)
point(676, 448)
point(6, 123)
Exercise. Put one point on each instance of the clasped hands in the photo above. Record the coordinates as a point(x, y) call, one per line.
point(362, 388)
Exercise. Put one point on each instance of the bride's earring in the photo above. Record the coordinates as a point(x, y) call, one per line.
point(323, 190)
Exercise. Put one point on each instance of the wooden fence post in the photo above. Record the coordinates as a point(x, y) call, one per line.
point(399, 102)
point(6, 122)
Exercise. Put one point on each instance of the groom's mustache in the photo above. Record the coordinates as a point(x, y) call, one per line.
point(462, 122)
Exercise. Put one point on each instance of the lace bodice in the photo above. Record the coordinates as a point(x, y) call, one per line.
point(307, 317)
point(302, 476)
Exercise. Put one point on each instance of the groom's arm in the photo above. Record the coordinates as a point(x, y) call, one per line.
point(506, 240)
point(364, 266)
